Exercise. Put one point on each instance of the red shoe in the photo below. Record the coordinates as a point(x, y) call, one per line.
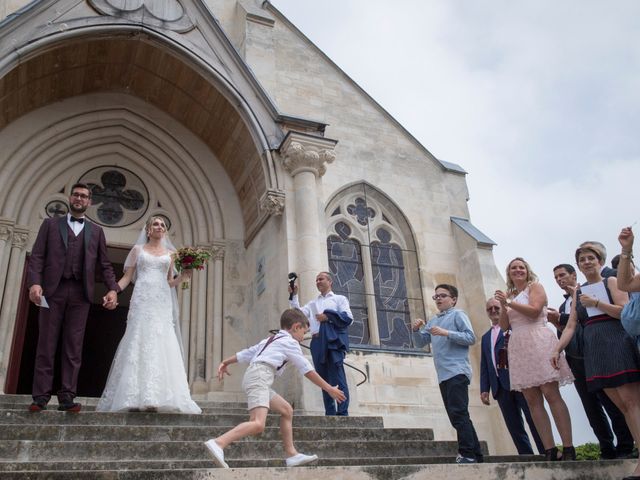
point(37, 407)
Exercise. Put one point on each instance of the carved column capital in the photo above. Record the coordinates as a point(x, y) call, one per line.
point(217, 251)
point(19, 239)
point(5, 232)
point(272, 202)
point(307, 153)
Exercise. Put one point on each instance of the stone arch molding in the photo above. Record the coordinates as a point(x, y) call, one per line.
point(53, 146)
point(184, 179)
point(59, 49)
point(166, 13)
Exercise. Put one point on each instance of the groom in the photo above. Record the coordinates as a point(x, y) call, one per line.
point(61, 272)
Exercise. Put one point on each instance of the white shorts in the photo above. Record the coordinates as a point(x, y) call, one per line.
point(257, 383)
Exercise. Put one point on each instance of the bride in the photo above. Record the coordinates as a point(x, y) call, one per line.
point(148, 371)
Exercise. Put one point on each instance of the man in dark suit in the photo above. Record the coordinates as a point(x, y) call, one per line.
point(494, 377)
point(61, 277)
point(594, 403)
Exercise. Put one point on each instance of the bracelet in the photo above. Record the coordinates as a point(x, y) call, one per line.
point(597, 303)
point(628, 254)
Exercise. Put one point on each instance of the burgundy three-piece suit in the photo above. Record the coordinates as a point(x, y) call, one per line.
point(65, 265)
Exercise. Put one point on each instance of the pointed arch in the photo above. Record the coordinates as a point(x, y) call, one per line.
point(372, 254)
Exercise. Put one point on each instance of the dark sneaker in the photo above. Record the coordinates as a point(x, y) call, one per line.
point(460, 459)
point(37, 406)
point(72, 407)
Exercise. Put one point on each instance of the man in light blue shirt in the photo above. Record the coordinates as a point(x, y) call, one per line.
point(450, 335)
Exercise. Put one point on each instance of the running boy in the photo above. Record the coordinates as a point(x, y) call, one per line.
point(266, 360)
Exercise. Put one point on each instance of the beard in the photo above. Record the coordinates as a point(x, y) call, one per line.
point(74, 209)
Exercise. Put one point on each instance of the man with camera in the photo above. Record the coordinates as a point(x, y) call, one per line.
point(329, 318)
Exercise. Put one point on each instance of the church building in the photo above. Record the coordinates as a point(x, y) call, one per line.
point(223, 118)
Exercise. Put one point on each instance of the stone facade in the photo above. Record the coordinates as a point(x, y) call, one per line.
point(244, 144)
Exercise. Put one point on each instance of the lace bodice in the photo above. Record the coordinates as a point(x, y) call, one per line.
point(148, 369)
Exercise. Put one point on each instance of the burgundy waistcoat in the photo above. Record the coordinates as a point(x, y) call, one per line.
point(74, 263)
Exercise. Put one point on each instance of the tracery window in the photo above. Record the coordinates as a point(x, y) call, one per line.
point(373, 259)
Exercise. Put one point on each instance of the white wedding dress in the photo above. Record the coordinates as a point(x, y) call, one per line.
point(148, 370)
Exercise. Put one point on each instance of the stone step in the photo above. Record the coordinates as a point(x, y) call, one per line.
point(30, 451)
point(235, 408)
point(91, 402)
point(52, 417)
point(8, 466)
point(195, 433)
point(603, 470)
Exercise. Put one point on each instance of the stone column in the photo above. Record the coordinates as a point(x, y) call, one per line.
point(304, 157)
point(199, 318)
point(19, 239)
point(6, 233)
point(214, 318)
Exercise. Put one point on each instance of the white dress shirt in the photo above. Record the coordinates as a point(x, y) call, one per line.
point(330, 301)
point(76, 227)
point(284, 348)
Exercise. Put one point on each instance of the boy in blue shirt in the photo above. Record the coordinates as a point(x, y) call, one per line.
point(450, 334)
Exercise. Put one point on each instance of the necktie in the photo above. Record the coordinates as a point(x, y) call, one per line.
point(79, 220)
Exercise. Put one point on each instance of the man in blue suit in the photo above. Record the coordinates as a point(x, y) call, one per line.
point(495, 378)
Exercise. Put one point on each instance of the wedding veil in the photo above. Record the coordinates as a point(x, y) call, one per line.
point(131, 261)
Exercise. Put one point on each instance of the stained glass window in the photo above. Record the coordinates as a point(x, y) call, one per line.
point(345, 263)
point(372, 256)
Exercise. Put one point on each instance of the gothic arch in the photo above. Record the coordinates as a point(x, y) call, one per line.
point(372, 254)
point(157, 68)
point(54, 147)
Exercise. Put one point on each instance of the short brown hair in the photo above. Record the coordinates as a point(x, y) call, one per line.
point(81, 185)
point(290, 317)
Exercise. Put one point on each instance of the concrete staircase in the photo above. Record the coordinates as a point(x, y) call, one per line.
point(57, 445)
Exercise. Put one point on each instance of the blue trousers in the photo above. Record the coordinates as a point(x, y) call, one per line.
point(333, 374)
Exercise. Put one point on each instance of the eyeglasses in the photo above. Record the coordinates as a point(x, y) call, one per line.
point(491, 309)
point(82, 196)
point(441, 295)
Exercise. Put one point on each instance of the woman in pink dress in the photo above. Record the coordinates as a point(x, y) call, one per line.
point(531, 343)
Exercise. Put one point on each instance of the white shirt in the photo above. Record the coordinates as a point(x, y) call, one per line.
point(75, 226)
point(283, 349)
point(330, 301)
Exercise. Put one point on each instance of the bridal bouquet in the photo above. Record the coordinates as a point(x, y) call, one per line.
point(190, 258)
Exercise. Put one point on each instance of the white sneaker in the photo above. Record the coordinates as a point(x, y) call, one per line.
point(300, 459)
point(216, 453)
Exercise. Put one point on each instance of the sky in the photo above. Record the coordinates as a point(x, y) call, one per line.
point(538, 101)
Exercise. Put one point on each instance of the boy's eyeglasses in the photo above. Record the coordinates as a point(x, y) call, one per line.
point(440, 295)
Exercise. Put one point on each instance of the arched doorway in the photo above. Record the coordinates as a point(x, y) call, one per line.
point(181, 111)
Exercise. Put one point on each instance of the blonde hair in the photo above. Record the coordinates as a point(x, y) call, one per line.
point(531, 277)
point(149, 223)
